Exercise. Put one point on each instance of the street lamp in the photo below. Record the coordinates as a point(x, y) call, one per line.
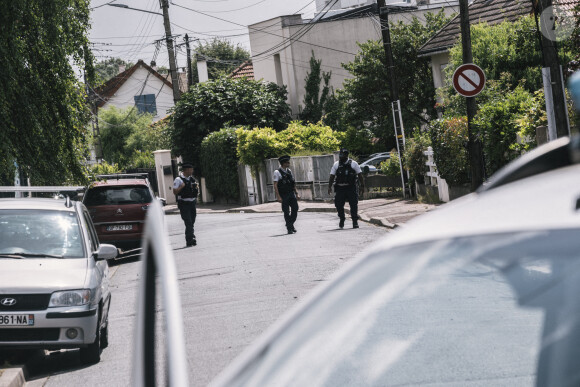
point(168, 40)
point(135, 9)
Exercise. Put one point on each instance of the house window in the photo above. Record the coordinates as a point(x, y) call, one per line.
point(145, 103)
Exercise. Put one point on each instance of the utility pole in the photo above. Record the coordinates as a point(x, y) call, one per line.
point(170, 51)
point(396, 103)
point(474, 145)
point(556, 109)
point(189, 74)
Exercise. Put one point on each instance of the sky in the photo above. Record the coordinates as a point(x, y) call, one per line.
point(132, 35)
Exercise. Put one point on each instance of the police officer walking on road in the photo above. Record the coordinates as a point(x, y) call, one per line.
point(347, 172)
point(286, 193)
point(186, 189)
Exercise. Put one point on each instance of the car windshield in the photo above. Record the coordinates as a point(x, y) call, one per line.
point(495, 309)
point(115, 195)
point(40, 233)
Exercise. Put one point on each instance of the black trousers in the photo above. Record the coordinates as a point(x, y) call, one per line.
point(342, 194)
point(188, 213)
point(290, 208)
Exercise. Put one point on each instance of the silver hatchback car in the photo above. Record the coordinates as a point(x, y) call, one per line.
point(54, 277)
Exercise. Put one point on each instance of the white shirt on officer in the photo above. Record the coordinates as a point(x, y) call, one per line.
point(353, 164)
point(278, 175)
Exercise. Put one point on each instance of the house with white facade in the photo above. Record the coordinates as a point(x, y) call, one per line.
point(142, 87)
point(281, 47)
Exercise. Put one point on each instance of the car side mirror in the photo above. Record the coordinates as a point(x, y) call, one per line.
point(366, 169)
point(106, 251)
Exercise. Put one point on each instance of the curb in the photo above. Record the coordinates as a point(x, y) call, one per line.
point(12, 377)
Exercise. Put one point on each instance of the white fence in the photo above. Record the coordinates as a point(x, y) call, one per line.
point(433, 179)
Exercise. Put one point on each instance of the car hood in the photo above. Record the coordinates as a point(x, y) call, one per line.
point(42, 275)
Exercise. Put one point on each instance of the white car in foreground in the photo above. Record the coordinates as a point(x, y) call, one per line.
point(54, 284)
point(480, 292)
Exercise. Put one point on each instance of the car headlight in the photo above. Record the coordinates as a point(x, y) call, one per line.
point(70, 298)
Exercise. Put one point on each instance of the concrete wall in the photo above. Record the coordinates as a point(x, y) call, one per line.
point(143, 82)
point(332, 42)
point(164, 172)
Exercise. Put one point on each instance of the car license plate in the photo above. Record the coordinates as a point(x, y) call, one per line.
point(120, 227)
point(16, 319)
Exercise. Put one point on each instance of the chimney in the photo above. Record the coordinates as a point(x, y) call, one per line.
point(154, 65)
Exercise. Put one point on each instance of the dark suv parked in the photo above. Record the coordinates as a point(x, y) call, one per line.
point(118, 204)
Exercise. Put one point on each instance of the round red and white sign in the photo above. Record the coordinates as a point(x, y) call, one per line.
point(468, 80)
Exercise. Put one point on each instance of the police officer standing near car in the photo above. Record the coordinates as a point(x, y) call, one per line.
point(185, 189)
point(346, 172)
point(286, 193)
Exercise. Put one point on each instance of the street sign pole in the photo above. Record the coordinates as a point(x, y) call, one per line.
point(475, 149)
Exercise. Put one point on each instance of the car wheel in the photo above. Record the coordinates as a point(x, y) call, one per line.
point(105, 337)
point(92, 353)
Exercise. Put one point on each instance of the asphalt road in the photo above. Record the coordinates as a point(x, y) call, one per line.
point(244, 273)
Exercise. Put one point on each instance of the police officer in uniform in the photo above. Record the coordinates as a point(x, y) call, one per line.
point(286, 193)
point(346, 172)
point(185, 188)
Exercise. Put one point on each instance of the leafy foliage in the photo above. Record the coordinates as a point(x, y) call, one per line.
point(414, 157)
point(390, 166)
point(123, 133)
point(43, 114)
point(498, 123)
point(314, 100)
point(258, 144)
point(104, 168)
point(365, 100)
point(449, 141)
point(222, 58)
point(211, 105)
point(219, 162)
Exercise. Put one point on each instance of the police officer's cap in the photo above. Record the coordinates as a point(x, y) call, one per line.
point(344, 151)
point(186, 165)
point(283, 159)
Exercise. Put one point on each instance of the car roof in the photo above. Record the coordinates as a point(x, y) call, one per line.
point(119, 182)
point(549, 200)
point(35, 204)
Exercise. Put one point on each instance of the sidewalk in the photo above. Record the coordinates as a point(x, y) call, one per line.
point(386, 212)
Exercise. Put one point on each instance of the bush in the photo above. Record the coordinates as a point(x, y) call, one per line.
point(255, 145)
point(449, 140)
point(220, 163)
point(258, 144)
point(414, 158)
point(104, 168)
point(504, 126)
point(391, 167)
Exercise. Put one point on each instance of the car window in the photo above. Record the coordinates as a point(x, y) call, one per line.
point(93, 238)
point(433, 313)
point(37, 232)
point(115, 195)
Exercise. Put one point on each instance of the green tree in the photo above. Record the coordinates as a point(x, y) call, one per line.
point(365, 100)
point(222, 57)
point(43, 114)
point(219, 161)
point(123, 132)
point(211, 105)
point(315, 100)
point(108, 68)
point(509, 51)
point(449, 142)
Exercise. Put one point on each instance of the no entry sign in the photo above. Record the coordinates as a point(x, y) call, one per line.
point(468, 80)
